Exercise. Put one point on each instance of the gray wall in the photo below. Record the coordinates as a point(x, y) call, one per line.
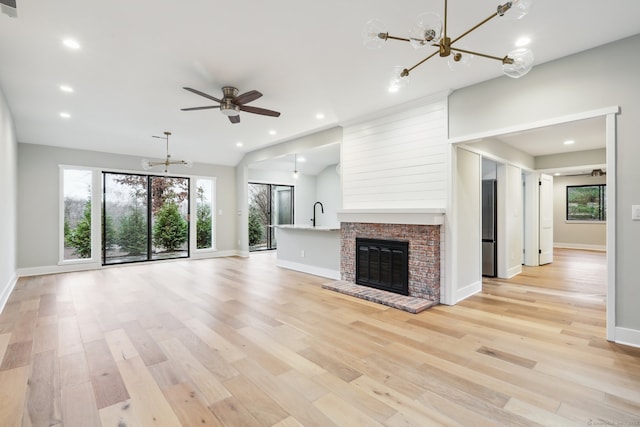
point(601, 77)
point(38, 204)
point(575, 234)
point(9, 197)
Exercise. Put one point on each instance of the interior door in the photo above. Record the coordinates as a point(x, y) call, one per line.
point(546, 219)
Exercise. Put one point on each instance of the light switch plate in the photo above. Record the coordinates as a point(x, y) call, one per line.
point(635, 212)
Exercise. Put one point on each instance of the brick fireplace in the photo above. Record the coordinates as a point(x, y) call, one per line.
point(424, 253)
point(421, 228)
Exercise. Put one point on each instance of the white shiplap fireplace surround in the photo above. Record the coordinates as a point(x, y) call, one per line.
point(394, 187)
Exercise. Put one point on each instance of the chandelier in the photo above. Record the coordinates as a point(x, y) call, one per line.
point(147, 164)
point(430, 30)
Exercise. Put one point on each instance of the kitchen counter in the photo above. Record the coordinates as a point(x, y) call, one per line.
point(313, 250)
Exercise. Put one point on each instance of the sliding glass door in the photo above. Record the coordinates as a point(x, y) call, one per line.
point(144, 218)
point(269, 204)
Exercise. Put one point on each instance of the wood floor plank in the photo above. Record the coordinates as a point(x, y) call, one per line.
point(108, 387)
point(264, 409)
point(343, 413)
point(4, 343)
point(16, 355)
point(191, 411)
point(69, 338)
point(147, 400)
point(284, 395)
point(13, 388)
point(79, 405)
point(119, 414)
point(147, 348)
point(233, 413)
point(206, 382)
point(43, 399)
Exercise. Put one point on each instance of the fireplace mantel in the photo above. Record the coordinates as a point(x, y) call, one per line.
point(417, 216)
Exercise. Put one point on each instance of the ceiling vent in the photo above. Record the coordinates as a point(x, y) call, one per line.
point(8, 7)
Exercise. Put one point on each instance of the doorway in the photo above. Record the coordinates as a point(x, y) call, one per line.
point(486, 145)
point(269, 205)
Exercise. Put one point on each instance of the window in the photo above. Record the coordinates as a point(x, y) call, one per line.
point(204, 213)
point(140, 217)
point(77, 218)
point(269, 204)
point(587, 202)
point(144, 217)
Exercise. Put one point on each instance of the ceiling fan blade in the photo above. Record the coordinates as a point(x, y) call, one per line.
point(245, 98)
point(197, 92)
point(234, 119)
point(200, 108)
point(256, 110)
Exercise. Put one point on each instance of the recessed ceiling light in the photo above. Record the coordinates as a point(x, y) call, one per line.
point(523, 41)
point(71, 44)
point(569, 142)
point(65, 115)
point(302, 159)
point(239, 144)
point(557, 174)
point(393, 89)
point(320, 116)
point(66, 88)
point(272, 132)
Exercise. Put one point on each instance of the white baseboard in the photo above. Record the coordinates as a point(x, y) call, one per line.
point(626, 336)
point(309, 269)
point(512, 272)
point(215, 254)
point(68, 268)
point(468, 290)
point(580, 246)
point(8, 288)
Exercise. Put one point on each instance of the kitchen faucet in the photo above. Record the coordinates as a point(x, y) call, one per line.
point(314, 211)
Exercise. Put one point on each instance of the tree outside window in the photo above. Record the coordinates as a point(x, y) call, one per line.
point(587, 202)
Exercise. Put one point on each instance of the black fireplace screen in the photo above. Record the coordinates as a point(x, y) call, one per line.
point(383, 264)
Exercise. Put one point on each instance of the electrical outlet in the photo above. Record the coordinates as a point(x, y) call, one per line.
point(635, 212)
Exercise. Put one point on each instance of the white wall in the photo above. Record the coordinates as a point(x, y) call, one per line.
point(38, 205)
point(9, 197)
point(595, 79)
point(465, 215)
point(328, 192)
point(398, 160)
point(571, 234)
point(510, 221)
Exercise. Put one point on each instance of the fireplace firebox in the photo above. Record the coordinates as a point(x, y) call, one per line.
point(383, 264)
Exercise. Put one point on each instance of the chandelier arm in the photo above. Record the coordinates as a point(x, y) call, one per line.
point(475, 27)
point(470, 52)
point(408, 70)
point(386, 36)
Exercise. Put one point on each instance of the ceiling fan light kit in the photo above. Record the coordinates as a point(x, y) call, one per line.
point(429, 30)
point(148, 164)
point(231, 103)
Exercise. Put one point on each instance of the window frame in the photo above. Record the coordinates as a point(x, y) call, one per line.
point(96, 221)
point(602, 201)
point(95, 262)
point(195, 252)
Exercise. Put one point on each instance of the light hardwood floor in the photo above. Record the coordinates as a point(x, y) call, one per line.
point(240, 342)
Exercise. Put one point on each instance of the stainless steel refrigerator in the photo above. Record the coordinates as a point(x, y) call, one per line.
point(489, 225)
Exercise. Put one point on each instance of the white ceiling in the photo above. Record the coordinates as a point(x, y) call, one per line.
point(305, 57)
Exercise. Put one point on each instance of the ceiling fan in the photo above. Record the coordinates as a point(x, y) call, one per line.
point(231, 103)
